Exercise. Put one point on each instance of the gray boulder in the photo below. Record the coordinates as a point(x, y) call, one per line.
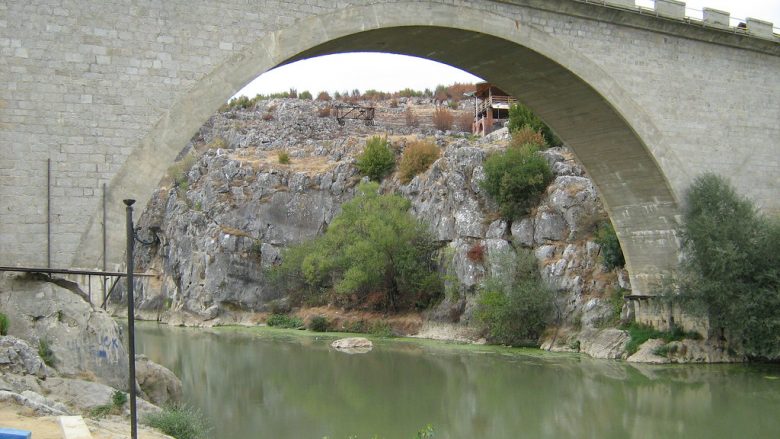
point(82, 338)
point(159, 384)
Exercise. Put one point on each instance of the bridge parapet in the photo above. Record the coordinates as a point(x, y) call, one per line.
point(711, 18)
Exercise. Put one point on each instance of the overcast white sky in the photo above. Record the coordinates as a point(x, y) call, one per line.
point(387, 72)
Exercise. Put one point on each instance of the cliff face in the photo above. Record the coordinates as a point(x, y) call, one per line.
point(239, 207)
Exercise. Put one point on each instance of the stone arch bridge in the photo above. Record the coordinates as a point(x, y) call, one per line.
point(111, 91)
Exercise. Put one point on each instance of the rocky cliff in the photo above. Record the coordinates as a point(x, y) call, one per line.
point(238, 207)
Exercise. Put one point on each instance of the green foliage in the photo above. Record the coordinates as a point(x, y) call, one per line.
point(731, 272)
point(181, 422)
point(514, 304)
point(113, 407)
point(516, 179)
point(426, 433)
point(521, 116)
point(284, 157)
point(611, 253)
point(373, 246)
point(178, 171)
point(381, 329)
point(318, 324)
point(46, 354)
point(641, 333)
point(3, 324)
point(305, 95)
point(284, 321)
point(417, 158)
point(377, 159)
point(118, 398)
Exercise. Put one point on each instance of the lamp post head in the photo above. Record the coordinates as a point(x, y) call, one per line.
point(128, 202)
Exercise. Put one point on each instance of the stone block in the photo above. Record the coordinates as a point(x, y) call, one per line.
point(716, 18)
point(670, 8)
point(622, 3)
point(760, 28)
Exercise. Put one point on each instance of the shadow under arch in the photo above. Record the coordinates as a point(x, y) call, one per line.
point(558, 84)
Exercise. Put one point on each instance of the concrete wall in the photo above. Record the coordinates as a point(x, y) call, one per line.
point(111, 92)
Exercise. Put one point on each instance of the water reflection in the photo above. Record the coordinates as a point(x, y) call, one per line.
point(274, 386)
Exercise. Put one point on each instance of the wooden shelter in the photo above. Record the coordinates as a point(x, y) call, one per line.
point(491, 108)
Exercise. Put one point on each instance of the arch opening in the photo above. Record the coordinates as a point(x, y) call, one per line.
point(558, 85)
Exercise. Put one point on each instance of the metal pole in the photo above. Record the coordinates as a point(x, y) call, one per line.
point(105, 252)
point(131, 317)
point(48, 213)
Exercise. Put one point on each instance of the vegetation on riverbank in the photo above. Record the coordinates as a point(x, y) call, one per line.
point(181, 422)
point(374, 253)
point(731, 272)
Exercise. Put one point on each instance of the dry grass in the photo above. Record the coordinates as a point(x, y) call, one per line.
point(233, 231)
point(267, 160)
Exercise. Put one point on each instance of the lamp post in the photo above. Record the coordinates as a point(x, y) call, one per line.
point(131, 317)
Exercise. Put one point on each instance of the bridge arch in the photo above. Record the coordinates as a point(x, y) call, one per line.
point(609, 132)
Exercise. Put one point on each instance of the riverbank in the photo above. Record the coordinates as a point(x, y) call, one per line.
point(47, 427)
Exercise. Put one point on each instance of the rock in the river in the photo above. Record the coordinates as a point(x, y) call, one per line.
point(353, 345)
point(159, 384)
point(83, 338)
point(605, 343)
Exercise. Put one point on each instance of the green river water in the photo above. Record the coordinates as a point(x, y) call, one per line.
point(267, 383)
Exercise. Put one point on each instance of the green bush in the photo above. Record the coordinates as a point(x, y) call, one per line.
point(306, 94)
point(284, 321)
point(417, 158)
point(514, 304)
point(118, 398)
point(3, 324)
point(377, 159)
point(181, 422)
point(318, 324)
point(374, 245)
point(521, 116)
point(284, 157)
point(46, 354)
point(516, 179)
point(641, 333)
point(611, 252)
point(731, 272)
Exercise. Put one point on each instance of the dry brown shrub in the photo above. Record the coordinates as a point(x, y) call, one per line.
point(527, 136)
point(476, 253)
point(323, 96)
point(268, 116)
point(411, 119)
point(418, 156)
point(442, 119)
point(323, 112)
point(464, 122)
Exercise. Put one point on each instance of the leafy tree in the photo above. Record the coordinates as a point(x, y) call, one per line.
point(515, 305)
point(731, 272)
point(377, 159)
point(306, 94)
point(373, 245)
point(516, 179)
point(611, 253)
point(521, 116)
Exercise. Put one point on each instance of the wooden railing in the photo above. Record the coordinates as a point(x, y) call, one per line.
point(494, 101)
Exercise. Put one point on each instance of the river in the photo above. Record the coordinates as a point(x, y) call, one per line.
point(267, 383)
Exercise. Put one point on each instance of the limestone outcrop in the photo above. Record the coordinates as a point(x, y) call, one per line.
point(82, 338)
point(228, 220)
